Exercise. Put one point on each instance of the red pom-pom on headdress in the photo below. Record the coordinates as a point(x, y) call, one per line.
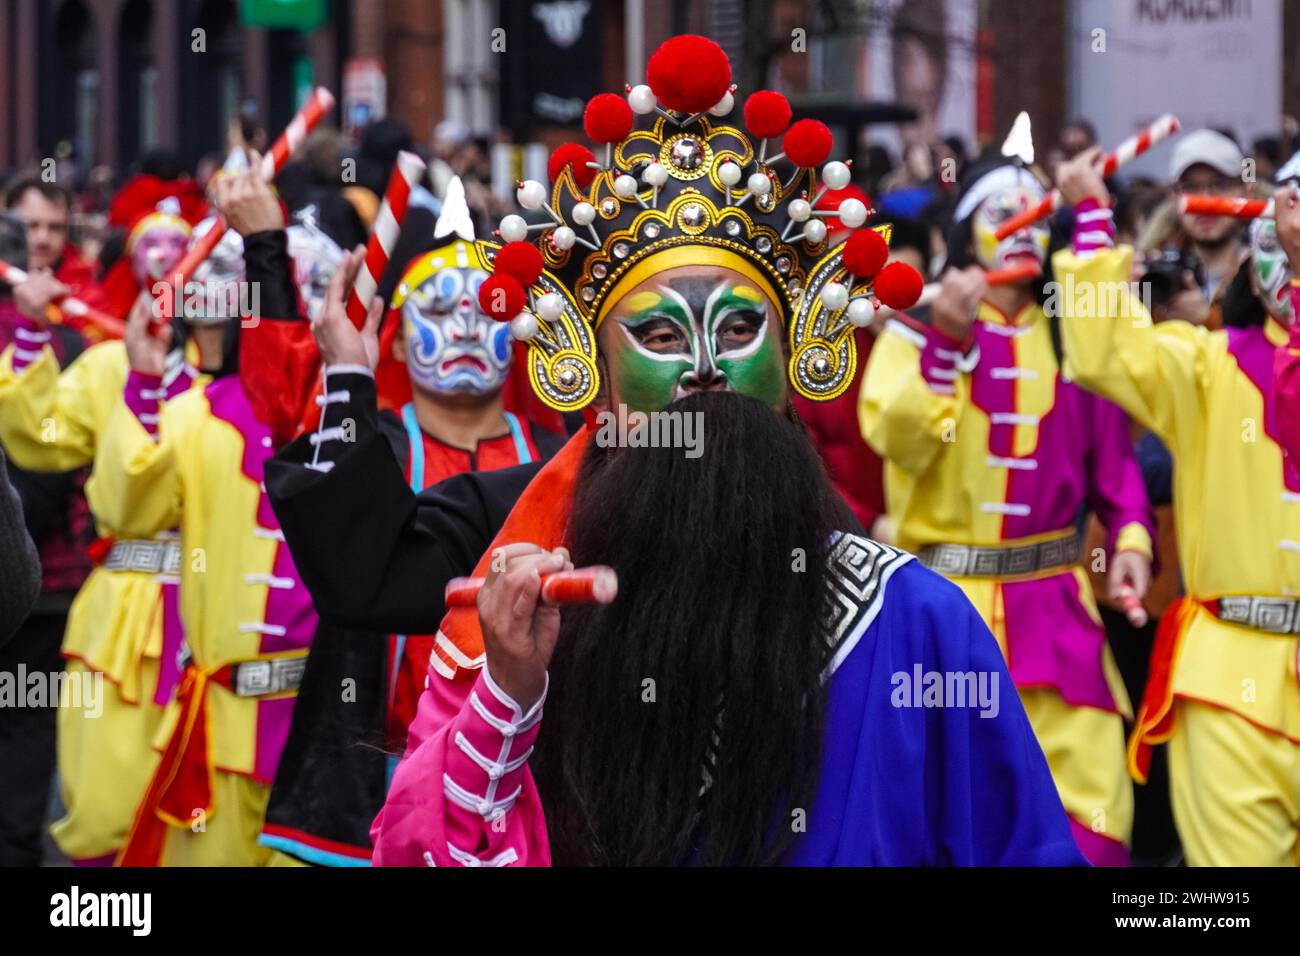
point(898, 286)
point(807, 143)
point(607, 118)
point(767, 114)
point(501, 297)
point(865, 253)
point(522, 261)
point(576, 157)
point(688, 74)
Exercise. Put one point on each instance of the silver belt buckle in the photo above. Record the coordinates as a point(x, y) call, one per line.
point(260, 678)
point(1276, 615)
point(144, 556)
point(171, 560)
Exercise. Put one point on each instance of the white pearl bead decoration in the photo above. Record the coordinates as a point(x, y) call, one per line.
point(853, 213)
point(835, 296)
point(563, 238)
point(550, 306)
point(724, 105)
point(531, 194)
point(814, 231)
point(656, 174)
point(642, 99)
point(625, 186)
point(523, 326)
point(861, 311)
point(514, 228)
point(835, 174)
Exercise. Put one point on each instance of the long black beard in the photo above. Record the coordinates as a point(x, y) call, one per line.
point(721, 564)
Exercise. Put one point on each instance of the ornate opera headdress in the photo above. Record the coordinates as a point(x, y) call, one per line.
point(678, 186)
point(1013, 170)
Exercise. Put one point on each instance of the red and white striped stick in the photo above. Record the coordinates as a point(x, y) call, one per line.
point(1127, 151)
point(69, 305)
point(320, 103)
point(597, 584)
point(1132, 604)
point(407, 172)
point(1236, 208)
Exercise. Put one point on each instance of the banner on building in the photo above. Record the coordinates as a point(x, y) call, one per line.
point(922, 54)
point(553, 50)
point(1213, 63)
point(365, 93)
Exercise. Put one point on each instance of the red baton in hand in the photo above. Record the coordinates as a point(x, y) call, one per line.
point(1132, 604)
point(597, 584)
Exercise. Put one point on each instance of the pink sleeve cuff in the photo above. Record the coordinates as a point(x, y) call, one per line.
point(144, 395)
point(488, 748)
point(1094, 227)
point(30, 340)
point(943, 359)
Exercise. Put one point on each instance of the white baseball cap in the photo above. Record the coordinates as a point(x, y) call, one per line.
point(1205, 146)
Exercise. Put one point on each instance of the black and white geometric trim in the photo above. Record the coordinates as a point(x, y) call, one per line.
point(860, 568)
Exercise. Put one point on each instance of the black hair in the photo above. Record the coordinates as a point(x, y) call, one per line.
point(909, 233)
point(24, 183)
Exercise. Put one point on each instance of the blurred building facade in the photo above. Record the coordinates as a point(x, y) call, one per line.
point(113, 78)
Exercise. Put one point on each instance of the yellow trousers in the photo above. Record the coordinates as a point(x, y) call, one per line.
point(1235, 789)
point(106, 760)
point(228, 835)
point(1084, 747)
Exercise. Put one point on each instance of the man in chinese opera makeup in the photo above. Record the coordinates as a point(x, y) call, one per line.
point(334, 772)
point(756, 691)
point(991, 458)
point(124, 623)
point(196, 462)
point(1232, 756)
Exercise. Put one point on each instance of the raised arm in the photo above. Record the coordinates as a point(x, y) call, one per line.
point(463, 795)
point(912, 388)
point(46, 418)
point(1286, 362)
point(1155, 373)
point(278, 360)
point(374, 555)
point(135, 487)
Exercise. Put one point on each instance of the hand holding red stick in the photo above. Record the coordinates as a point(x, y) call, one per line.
point(597, 584)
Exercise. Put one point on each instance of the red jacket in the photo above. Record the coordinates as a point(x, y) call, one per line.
point(856, 471)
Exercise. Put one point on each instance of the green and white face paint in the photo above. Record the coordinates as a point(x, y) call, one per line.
point(693, 329)
point(1270, 272)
